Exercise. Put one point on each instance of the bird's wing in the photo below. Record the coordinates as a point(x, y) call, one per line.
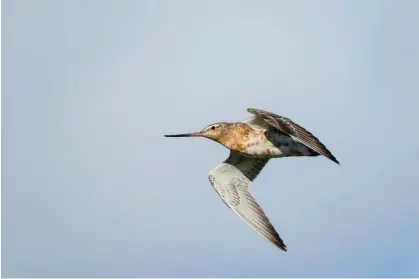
point(289, 127)
point(232, 180)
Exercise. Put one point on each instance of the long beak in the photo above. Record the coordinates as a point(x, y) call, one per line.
point(196, 134)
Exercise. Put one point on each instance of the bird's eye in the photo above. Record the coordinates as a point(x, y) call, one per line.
point(213, 127)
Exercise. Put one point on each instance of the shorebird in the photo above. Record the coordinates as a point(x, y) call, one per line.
point(252, 143)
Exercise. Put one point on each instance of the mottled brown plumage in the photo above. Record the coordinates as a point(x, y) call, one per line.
point(234, 136)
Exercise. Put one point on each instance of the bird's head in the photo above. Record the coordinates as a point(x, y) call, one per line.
point(216, 131)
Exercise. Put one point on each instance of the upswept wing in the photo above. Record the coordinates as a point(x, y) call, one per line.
point(289, 127)
point(232, 180)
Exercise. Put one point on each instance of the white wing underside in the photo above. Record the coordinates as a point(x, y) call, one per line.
point(232, 180)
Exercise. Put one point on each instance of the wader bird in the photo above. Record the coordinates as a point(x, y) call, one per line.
point(252, 144)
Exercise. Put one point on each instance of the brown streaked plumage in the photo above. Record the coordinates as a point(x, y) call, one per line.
point(252, 144)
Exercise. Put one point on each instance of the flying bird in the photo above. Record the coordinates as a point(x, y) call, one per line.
point(252, 143)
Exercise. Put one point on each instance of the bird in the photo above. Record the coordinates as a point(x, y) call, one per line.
point(252, 143)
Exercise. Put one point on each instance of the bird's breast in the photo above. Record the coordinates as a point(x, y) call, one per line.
point(274, 144)
point(259, 145)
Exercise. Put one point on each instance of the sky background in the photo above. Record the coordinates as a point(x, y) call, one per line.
point(90, 187)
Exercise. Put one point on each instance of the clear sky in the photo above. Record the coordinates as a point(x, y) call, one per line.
point(90, 187)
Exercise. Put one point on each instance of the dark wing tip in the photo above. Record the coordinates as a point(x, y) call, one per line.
point(280, 244)
point(335, 160)
point(325, 152)
point(329, 155)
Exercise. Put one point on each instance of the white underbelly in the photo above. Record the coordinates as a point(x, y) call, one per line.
point(265, 150)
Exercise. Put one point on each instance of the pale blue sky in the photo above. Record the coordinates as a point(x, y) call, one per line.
point(90, 187)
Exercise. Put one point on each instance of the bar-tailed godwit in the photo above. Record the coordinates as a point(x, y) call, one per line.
point(252, 143)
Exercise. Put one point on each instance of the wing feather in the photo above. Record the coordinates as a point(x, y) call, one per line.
point(232, 180)
point(289, 127)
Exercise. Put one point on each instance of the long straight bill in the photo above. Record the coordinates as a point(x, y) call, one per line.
point(196, 134)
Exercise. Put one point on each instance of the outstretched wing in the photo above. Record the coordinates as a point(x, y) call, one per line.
point(289, 127)
point(232, 180)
